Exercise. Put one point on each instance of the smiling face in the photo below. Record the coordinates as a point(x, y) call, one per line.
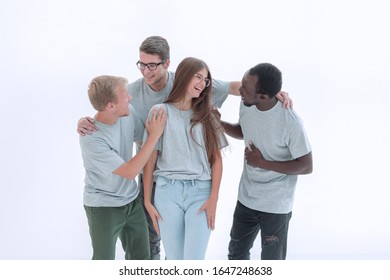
point(156, 79)
point(247, 90)
point(198, 84)
point(121, 106)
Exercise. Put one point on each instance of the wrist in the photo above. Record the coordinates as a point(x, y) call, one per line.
point(213, 197)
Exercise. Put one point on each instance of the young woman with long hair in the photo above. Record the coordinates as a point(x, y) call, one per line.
point(186, 165)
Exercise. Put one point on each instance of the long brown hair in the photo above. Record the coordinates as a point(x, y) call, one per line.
point(201, 106)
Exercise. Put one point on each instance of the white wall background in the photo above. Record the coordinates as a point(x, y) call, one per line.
point(334, 57)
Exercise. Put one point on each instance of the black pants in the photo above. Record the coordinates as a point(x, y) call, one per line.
point(154, 238)
point(246, 225)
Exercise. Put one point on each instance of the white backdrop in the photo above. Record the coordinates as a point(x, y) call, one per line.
point(334, 58)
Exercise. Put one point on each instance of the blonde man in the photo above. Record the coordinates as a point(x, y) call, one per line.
point(111, 193)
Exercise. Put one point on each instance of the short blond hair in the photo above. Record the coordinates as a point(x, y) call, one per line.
point(103, 89)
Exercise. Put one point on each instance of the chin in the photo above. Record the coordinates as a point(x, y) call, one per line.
point(149, 81)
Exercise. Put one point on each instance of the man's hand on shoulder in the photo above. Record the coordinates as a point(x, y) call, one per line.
point(86, 126)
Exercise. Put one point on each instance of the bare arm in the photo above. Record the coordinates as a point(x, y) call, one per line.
point(210, 206)
point(233, 130)
point(148, 184)
point(155, 128)
point(86, 126)
point(235, 88)
point(299, 166)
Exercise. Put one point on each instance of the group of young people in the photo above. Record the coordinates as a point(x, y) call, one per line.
point(172, 117)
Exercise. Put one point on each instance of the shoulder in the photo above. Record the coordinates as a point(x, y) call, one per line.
point(90, 141)
point(134, 87)
point(171, 79)
point(158, 106)
point(292, 116)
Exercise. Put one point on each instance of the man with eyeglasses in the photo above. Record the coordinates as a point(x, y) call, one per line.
point(153, 88)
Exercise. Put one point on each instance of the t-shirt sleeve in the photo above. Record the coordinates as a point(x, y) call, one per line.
point(219, 92)
point(146, 134)
point(297, 140)
point(98, 156)
point(223, 142)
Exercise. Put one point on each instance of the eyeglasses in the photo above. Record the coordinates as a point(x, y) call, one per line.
point(151, 66)
point(200, 79)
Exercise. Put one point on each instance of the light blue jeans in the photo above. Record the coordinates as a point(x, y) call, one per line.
point(184, 231)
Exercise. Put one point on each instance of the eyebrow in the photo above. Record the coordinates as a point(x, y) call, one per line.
point(201, 75)
point(148, 63)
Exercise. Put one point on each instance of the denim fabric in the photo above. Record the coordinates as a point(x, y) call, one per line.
point(184, 231)
point(127, 222)
point(154, 238)
point(246, 225)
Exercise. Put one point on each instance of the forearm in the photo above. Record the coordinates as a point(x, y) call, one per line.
point(235, 88)
point(233, 130)
point(299, 166)
point(216, 177)
point(149, 168)
point(134, 166)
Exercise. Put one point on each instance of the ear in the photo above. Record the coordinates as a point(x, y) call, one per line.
point(110, 105)
point(263, 97)
point(167, 63)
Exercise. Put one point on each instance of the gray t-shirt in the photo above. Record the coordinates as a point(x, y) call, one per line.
point(144, 97)
point(103, 152)
point(280, 136)
point(180, 157)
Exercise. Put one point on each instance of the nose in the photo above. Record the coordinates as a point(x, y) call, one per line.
point(130, 97)
point(145, 71)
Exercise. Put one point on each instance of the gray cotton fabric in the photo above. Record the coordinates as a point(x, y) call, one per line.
point(280, 136)
point(103, 152)
point(143, 97)
point(180, 157)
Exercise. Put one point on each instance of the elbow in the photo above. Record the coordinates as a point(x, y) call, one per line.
point(307, 164)
point(128, 175)
point(308, 170)
point(131, 176)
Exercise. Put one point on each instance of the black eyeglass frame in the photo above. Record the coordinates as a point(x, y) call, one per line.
point(151, 66)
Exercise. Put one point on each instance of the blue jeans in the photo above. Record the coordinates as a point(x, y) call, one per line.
point(246, 225)
point(184, 231)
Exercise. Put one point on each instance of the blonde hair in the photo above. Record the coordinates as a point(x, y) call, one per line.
point(103, 89)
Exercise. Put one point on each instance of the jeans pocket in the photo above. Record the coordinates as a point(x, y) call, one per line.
point(203, 185)
point(162, 182)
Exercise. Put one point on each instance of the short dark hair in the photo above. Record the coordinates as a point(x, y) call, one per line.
point(269, 79)
point(156, 45)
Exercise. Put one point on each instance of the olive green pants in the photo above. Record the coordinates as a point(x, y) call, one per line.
point(127, 222)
